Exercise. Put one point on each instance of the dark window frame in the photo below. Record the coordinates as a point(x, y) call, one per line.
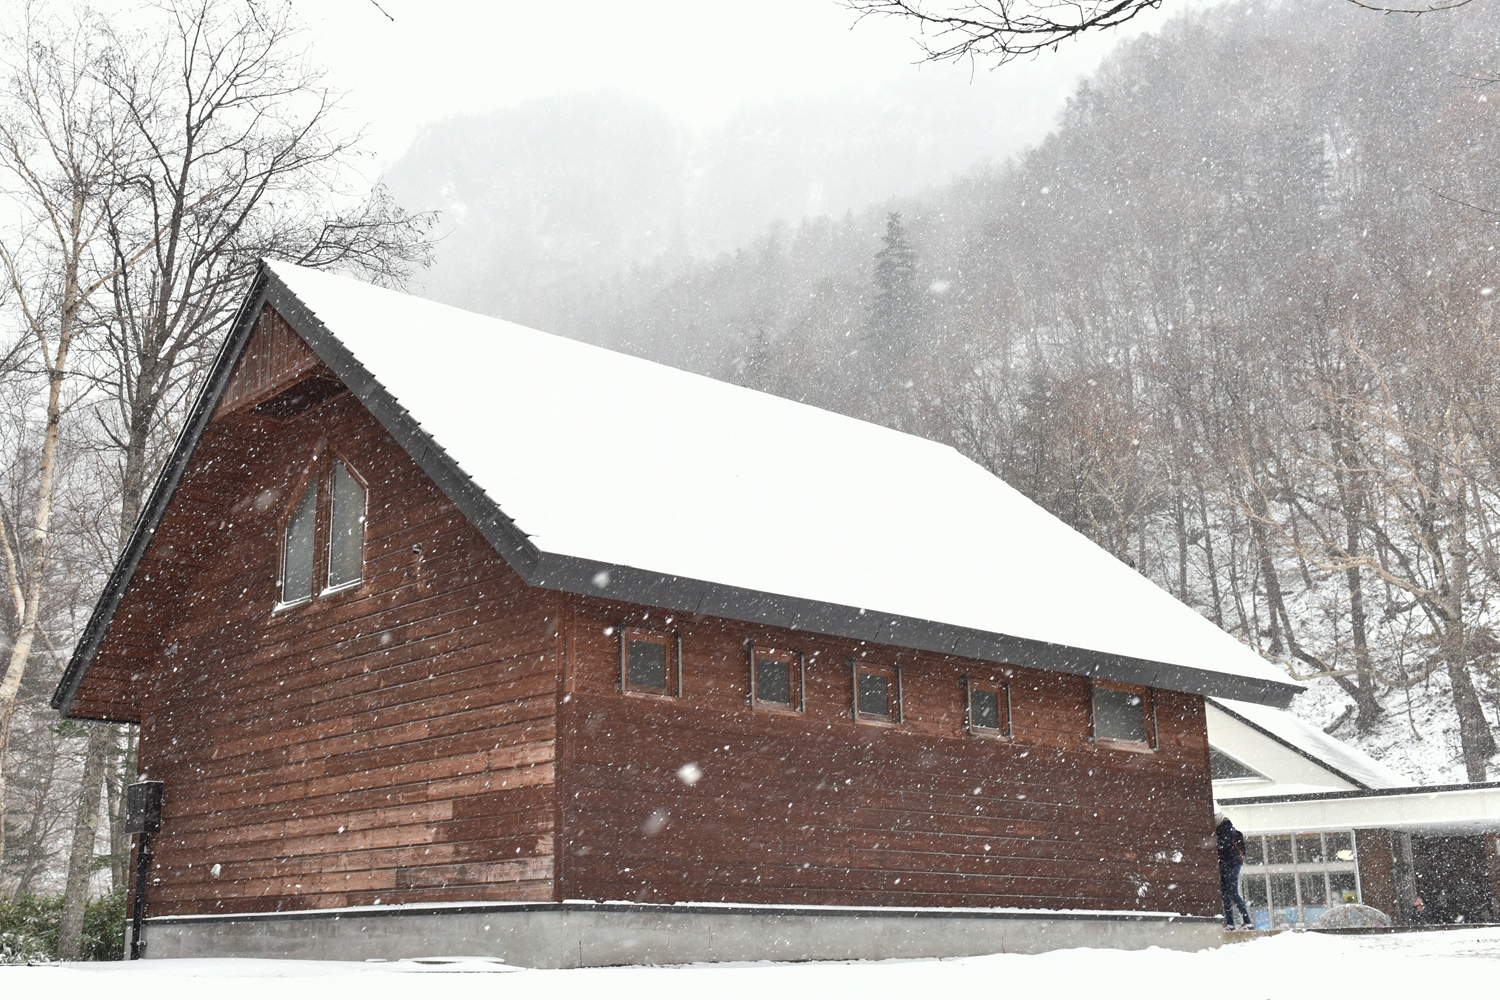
point(796, 680)
point(1148, 717)
point(672, 670)
point(893, 693)
point(1001, 690)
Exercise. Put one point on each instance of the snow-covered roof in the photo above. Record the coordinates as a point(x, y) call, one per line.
point(596, 472)
point(1346, 761)
point(624, 462)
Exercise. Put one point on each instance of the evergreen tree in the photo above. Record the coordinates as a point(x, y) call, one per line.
point(896, 309)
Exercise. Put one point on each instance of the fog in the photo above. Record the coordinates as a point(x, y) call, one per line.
point(563, 146)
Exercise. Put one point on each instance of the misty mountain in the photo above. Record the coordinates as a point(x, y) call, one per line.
point(547, 204)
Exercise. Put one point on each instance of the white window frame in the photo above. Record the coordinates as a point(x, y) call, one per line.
point(309, 485)
point(364, 513)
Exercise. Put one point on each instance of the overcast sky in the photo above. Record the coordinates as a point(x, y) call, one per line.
point(700, 60)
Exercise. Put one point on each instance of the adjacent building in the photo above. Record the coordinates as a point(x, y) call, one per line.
point(1326, 823)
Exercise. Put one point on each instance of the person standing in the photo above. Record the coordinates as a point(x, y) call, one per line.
point(1231, 858)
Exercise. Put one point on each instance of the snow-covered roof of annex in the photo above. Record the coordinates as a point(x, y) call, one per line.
point(1350, 763)
point(596, 472)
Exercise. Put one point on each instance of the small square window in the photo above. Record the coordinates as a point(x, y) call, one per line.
point(877, 693)
point(989, 708)
point(1121, 713)
point(648, 662)
point(775, 679)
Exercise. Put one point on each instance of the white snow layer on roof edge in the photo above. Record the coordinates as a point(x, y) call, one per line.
point(611, 458)
point(1340, 756)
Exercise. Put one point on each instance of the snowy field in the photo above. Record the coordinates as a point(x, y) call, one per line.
point(1448, 963)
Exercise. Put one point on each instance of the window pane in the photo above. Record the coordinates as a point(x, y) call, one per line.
point(1223, 767)
point(1254, 854)
point(297, 557)
point(1119, 715)
point(984, 709)
point(346, 539)
point(1314, 892)
point(647, 666)
point(1253, 888)
point(773, 681)
point(1278, 850)
point(1283, 891)
point(1342, 887)
point(1340, 846)
point(874, 695)
point(1309, 849)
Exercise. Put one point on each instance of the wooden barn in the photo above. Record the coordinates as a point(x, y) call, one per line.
point(436, 617)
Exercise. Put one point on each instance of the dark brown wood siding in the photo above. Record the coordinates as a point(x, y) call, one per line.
point(392, 742)
point(816, 808)
point(1376, 853)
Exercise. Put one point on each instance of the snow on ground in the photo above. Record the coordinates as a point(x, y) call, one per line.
point(1418, 737)
point(1435, 963)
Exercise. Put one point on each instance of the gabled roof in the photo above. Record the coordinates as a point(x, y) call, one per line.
point(596, 472)
point(1335, 756)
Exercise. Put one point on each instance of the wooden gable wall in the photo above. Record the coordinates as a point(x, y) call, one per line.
point(390, 743)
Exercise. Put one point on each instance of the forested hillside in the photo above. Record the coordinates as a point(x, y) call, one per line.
point(1233, 319)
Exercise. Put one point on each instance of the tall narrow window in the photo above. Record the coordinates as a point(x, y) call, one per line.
point(297, 550)
point(346, 530)
point(877, 693)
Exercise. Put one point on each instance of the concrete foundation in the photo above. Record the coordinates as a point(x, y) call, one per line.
point(576, 935)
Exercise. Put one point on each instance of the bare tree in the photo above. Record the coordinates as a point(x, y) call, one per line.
point(243, 160)
point(999, 31)
point(63, 149)
point(1002, 30)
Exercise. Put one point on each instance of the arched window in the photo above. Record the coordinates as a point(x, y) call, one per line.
point(346, 531)
point(335, 518)
point(297, 550)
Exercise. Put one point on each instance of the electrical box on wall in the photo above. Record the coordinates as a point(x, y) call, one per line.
point(143, 807)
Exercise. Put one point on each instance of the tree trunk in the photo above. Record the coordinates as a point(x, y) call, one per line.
point(1352, 499)
point(85, 834)
point(35, 556)
point(1473, 728)
point(1274, 602)
point(114, 787)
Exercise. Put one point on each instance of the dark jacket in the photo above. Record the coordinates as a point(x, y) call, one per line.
point(1231, 847)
